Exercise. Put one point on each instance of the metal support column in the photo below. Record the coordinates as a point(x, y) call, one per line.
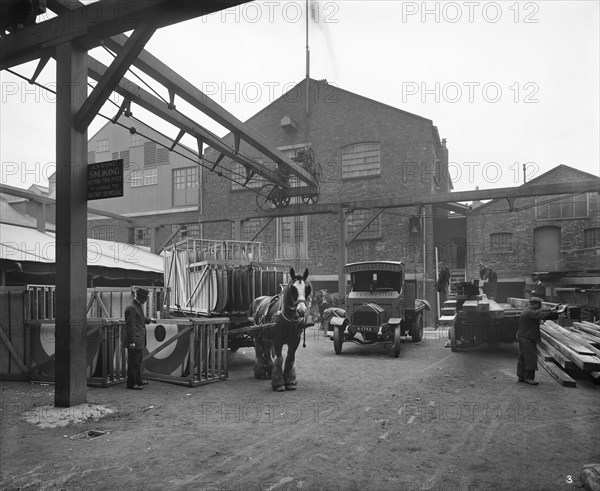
point(343, 257)
point(71, 229)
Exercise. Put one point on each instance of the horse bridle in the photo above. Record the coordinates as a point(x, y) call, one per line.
point(294, 308)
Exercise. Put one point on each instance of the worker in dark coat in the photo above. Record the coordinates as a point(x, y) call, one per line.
point(489, 279)
point(538, 289)
point(442, 284)
point(135, 338)
point(529, 335)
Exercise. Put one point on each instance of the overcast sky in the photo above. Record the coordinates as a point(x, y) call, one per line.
point(506, 83)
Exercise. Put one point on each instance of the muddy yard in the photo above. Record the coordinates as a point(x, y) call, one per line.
point(428, 420)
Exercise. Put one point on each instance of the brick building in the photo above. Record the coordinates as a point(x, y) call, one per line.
point(160, 191)
point(367, 150)
point(558, 236)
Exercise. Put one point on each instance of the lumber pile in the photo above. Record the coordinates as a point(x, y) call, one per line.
point(574, 347)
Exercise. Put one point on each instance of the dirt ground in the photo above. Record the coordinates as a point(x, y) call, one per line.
point(428, 420)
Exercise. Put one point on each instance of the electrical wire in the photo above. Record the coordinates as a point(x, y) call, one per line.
point(141, 79)
point(472, 212)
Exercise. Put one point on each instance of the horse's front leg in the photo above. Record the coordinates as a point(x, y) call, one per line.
point(277, 375)
point(263, 363)
point(289, 371)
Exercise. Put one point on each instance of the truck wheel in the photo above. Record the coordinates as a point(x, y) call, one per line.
point(452, 334)
point(397, 339)
point(337, 340)
point(416, 332)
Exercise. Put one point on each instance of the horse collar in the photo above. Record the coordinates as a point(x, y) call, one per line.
point(293, 321)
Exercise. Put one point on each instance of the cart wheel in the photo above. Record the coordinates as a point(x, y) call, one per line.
point(337, 340)
point(452, 334)
point(397, 340)
point(266, 198)
point(416, 333)
point(309, 199)
point(270, 196)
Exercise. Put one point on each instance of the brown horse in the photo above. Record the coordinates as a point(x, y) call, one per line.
point(323, 300)
point(286, 311)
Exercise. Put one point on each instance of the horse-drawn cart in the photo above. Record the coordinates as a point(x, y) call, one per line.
point(210, 278)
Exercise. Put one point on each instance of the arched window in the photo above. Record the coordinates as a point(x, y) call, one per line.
point(360, 160)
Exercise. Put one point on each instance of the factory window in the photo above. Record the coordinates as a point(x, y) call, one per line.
point(103, 232)
point(561, 206)
point(591, 237)
point(361, 160)
point(358, 219)
point(102, 145)
point(141, 236)
point(292, 232)
point(250, 228)
point(501, 242)
point(146, 177)
point(185, 186)
point(189, 231)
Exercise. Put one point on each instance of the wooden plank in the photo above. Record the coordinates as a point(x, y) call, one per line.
point(591, 325)
point(585, 327)
point(470, 306)
point(543, 354)
point(556, 373)
point(585, 362)
point(556, 355)
point(584, 336)
point(565, 337)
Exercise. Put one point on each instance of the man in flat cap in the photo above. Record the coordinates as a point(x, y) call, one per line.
point(538, 289)
point(529, 335)
point(135, 338)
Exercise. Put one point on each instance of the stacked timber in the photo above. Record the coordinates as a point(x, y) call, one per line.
point(575, 347)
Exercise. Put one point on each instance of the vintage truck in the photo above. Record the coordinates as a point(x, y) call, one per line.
point(381, 307)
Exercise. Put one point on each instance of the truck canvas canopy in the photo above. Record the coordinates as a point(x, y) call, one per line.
point(376, 276)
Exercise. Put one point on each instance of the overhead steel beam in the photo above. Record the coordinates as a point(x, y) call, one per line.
point(113, 75)
point(88, 25)
point(142, 98)
point(177, 85)
point(587, 186)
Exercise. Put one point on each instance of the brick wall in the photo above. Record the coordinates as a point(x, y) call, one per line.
point(337, 119)
point(494, 217)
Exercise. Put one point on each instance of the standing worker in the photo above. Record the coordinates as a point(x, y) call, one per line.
point(539, 289)
point(442, 284)
point(529, 335)
point(135, 338)
point(490, 281)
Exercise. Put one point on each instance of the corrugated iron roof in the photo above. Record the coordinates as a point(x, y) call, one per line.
point(28, 244)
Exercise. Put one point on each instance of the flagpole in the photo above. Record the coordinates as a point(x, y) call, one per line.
point(307, 61)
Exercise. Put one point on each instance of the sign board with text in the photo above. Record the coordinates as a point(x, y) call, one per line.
point(105, 179)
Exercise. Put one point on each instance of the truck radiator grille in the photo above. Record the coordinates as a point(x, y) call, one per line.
point(365, 318)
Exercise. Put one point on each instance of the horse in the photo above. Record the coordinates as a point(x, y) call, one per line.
point(323, 300)
point(286, 311)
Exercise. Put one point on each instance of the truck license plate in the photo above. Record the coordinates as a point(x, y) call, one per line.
point(366, 328)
